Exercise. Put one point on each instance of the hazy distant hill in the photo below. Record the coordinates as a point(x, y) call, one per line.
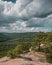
point(18, 36)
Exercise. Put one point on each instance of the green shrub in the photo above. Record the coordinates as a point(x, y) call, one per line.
point(19, 49)
point(15, 52)
point(11, 54)
point(48, 53)
point(25, 47)
point(49, 57)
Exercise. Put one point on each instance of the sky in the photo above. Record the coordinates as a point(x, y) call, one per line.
point(25, 15)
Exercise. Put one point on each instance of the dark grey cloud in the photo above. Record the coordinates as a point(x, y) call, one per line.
point(38, 8)
point(28, 13)
point(8, 11)
point(4, 18)
point(40, 22)
point(10, 0)
point(35, 22)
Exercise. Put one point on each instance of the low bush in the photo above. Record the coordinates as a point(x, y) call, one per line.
point(19, 49)
point(48, 53)
point(14, 52)
point(49, 57)
point(11, 54)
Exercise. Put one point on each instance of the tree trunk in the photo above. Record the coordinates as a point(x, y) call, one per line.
point(39, 47)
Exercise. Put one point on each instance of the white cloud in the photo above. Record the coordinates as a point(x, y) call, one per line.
point(3, 29)
point(23, 24)
point(7, 7)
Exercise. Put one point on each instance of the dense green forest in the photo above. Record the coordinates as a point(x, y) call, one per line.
point(10, 40)
point(14, 44)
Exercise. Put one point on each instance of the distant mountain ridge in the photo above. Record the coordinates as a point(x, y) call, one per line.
point(9, 36)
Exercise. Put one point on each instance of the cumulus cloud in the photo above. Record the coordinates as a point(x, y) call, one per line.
point(4, 8)
point(40, 22)
point(3, 29)
point(26, 15)
point(38, 8)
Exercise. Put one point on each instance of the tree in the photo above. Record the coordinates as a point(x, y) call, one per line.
point(41, 36)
